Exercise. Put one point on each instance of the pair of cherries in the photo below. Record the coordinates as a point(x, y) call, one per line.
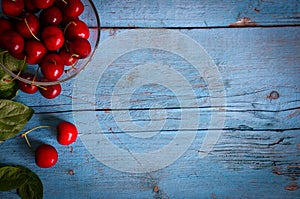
point(46, 155)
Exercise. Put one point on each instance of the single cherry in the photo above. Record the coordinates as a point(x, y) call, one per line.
point(42, 4)
point(25, 87)
point(51, 16)
point(52, 66)
point(66, 133)
point(12, 7)
point(35, 51)
point(71, 8)
point(29, 26)
point(46, 156)
point(5, 25)
point(20, 56)
point(29, 7)
point(12, 41)
point(77, 28)
point(51, 91)
point(80, 47)
point(53, 37)
point(67, 57)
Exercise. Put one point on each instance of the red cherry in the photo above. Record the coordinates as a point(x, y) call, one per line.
point(53, 38)
point(51, 91)
point(20, 56)
point(77, 29)
point(80, 47)
point(66, 133)
point(25, 87)
point(67, 57)
point(12, 7)
point(35, 51)
point(52, 66)
point(42, 4)
point(71, 8)
point(5, 25)
point(29, 26)
point(46, 156)
point(29, 7)
point(51, 16)
point(12, 41)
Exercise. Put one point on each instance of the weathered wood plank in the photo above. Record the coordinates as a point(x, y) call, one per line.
point(205, 13)
point(241, 162)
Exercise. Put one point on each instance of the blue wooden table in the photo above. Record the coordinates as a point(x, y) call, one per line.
point(183, 99)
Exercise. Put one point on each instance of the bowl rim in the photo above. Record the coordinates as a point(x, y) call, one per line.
point(41, 83)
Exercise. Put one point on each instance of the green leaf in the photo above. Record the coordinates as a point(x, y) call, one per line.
point(27, 183)
point(13, 117)
point(11, 63)
point(33, 188)
point(8, 87)
point(11, 178)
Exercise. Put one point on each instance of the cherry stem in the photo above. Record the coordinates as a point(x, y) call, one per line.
point(64, 2)
point(17, 18)
point(33, 129)
point(3, 52)
point(73, 66)
point(25, 20)
point(34, 78)
point(22, 67)
point(71, 22)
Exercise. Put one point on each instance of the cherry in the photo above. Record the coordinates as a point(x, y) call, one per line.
point(12, 41)
point(66, 133)
point(67, 57)
point(25, 87)
point(42, 4)
point(46, 156)
point(35, 51)
point(52, 66)
point(77, 28)
point(80, 47)
point(5, 25)
point(51, 16)
point(53, 37)
point(71, 8)
point(51, 91)
point(20, 56)
point(29, 7)
point(12, 7)
point(29, 26)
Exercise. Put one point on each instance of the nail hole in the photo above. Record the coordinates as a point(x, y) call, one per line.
point(273, 95)
point(155, 189)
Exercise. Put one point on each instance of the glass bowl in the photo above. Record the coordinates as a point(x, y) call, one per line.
point(91, 18)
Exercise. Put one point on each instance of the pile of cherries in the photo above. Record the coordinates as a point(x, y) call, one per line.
point(46, 155)
point(47, 34)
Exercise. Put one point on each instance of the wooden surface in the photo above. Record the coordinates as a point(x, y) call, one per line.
point(255, 46)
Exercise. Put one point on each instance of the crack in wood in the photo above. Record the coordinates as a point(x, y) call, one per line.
point(277, 142)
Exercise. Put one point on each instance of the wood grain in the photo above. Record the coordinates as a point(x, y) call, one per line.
point(205, 14)
point(258, 149)
point(258, 152)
